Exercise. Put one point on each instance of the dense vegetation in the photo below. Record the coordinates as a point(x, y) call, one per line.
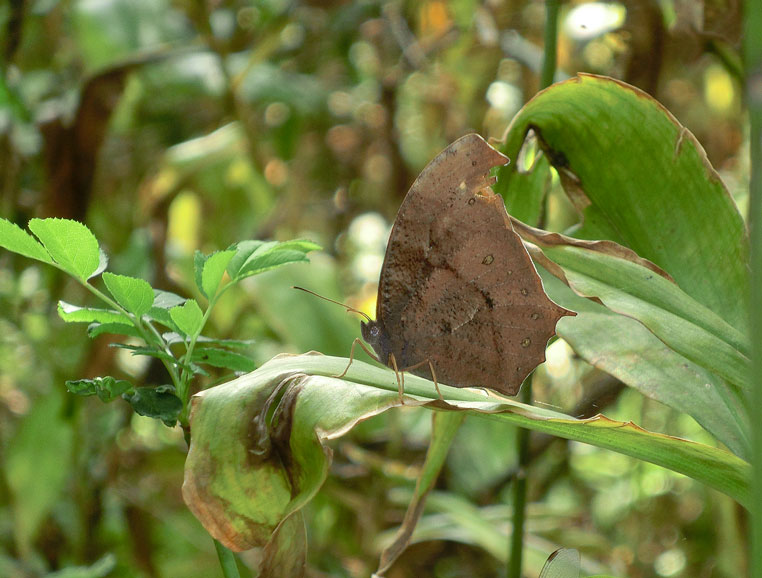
point(172, 128)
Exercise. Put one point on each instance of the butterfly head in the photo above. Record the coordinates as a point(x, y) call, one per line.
point(374, 335)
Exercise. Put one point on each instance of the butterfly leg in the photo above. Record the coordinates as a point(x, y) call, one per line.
point(433, 374)
point(400, 375)
point(352, 356)
point(434, 378)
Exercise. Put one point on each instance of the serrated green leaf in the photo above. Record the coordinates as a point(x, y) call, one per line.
point(213, 271)
point(188, 317)
point(157, 402)
point(75, 314)
point(106, 388)
point(253, 257)
point(223, 358)
point(244, 250)
point(150, 352)
point(15, 239)
point(96, 329)
point(166, 299)
point(70, 243)
point(199, 260)
point(135, 295)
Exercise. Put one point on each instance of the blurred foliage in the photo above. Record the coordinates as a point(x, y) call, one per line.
point(174, 126)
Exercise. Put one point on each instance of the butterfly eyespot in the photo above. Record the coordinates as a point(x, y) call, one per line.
point(471, 201)
point(526, 342)
point(535, 316)
point(524, 292)
point(488, 260)
point(374, 331)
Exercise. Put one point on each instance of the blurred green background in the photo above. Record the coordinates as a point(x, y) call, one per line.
point(170, 126)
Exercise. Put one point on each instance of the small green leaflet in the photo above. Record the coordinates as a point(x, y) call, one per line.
point(210, 270)
point(158, 402)
point(253, 257)
point(223, 358)
point(188, 317)
point(106, 388)
point(135, 295)
point(15, 239)
point(75, 314)
point(71, 244)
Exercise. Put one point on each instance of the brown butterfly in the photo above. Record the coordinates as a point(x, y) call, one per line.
point(459, 298)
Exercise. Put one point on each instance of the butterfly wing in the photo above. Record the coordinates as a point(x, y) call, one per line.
point(457, 287)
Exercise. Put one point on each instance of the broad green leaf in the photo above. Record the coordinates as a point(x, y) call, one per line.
point(683, 324)
point(525, 191)
point(188, 317)
point(655, 193)
point(76, 314)
point(35, 483)
point(208, 279)
point(231, 458)
point(135, 295)
point(223, 358)
point(106, 388)
point(70, 244)
point(15, 239)
point(635, 356)
point(158, 402)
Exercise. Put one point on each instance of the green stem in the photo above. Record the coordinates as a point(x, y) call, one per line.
point(753, 55)
point(551, 41)
point(227, 561)
point(522, 437)
point(520, 491)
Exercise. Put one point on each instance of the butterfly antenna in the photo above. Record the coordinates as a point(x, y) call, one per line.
point(349, 308)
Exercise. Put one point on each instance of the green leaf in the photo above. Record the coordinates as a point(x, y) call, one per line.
point(656, 194)
point(525, 191)
point(231, 459)
point(223, 358)
point(106, 388)
point(96, 329)
point(163, 302)
point(99, 569)
point(15, 239)
point(210, 270)
point(563, 563)
point(36, 483)
point(135, 295)
point(158, 402)
point(443, 429)
point(70, 244)
point(626, 349)
point(187, 317)
point(683, 324)
point(253, 257)
point(76, 314)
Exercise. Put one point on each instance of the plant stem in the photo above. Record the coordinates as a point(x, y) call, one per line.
point(551, 40)
point(520, 491)
point(227, 561)
point(753, 55)
point(522, 436)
